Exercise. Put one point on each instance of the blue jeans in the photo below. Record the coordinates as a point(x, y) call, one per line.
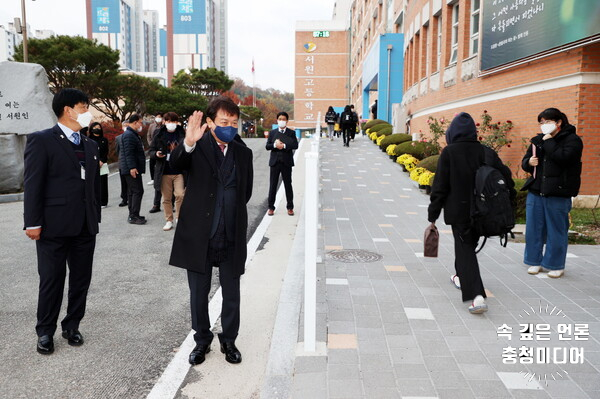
point(547, 222)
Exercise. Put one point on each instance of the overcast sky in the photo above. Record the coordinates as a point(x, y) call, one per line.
point(263, 29)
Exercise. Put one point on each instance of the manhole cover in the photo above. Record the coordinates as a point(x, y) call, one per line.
point(354, 256)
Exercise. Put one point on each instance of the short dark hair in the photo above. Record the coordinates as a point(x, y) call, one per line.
point(223, 103)
point(171, 116)
point(283, 113)
point(134, 118)
point(352, 106)
point(159, 114)
point(68, 98)
point(553, 114)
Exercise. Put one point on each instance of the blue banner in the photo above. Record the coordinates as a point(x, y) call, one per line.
point(189, 16)
point(106, 16)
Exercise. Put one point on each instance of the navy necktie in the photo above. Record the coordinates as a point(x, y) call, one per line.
point(75, 138)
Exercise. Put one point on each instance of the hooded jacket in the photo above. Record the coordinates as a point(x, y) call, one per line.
point(453, 184)
point(558, 173)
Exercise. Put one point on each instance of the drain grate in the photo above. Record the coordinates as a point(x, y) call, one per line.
point(354, 256)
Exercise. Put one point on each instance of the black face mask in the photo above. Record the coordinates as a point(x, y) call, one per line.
point(96, 131)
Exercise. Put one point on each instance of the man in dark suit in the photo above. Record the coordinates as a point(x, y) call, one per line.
point(281, 142)
point(213, 222)
point(62, 212)
point(132, 164)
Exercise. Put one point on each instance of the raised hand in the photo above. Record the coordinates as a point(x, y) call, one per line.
point(195, 130)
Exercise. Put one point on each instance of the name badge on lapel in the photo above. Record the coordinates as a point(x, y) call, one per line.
point(82, 173)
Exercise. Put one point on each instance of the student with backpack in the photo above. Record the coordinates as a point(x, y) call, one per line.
point(331, 118)
point(348, 122)
point(453, 191)
point(554, 161)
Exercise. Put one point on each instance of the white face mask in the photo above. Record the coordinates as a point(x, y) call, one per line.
point(84, 119)
point(158, 120)
point(140, 129)
point(171, 126)
point(282, 124)
point(548, 128)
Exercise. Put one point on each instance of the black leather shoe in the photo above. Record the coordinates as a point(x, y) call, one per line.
point(232, 354)
point(136, 220)
point(73, 336)
point(45, 345)
point(122, 204)
point(154, 209)
point(198, 355)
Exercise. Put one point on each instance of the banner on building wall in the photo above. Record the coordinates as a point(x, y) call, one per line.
point(189, 16)
point(514, 29)
point(106, 16)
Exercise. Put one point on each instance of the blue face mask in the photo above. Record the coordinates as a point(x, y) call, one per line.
point(225, 134)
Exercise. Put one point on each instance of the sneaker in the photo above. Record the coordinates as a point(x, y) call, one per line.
point(556, 273)
point(534, 269)
point(455, 280)
point(168, 226)
point(151, 182)
point(478, 306)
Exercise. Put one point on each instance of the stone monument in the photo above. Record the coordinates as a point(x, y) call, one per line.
point(25, 107)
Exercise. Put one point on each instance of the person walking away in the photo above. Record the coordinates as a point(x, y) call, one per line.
point(554, 161)
point(452, 191)
point(355, 118)
point(213, 223)
point(330, 118)
point(169, 179)
point(348, 124)
point(153, 129)
point(281, 142)
point(132, 163)
point(61, 213)
point(96, 134)
point(374, 110)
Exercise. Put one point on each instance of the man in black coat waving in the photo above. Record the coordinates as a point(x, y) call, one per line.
point(281, 142)
point(212, 226)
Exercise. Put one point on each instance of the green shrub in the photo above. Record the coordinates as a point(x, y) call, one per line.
point(362, 126)
point(372, 123)
point(521, 200)
point(417, 149)
point(386, 131)
point(396, 138)
point(430, 163)
point(378, 127)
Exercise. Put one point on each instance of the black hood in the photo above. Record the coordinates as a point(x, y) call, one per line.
point(461, 128)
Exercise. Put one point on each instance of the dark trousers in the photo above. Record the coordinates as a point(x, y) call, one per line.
point(135, 192)
point(157, 198)
point(286, 174)
point(230, 309)
point(152, 166)
point(347, 132)
point(53, 255)
point(123, 186)
point(465, 262)
point(104, 190)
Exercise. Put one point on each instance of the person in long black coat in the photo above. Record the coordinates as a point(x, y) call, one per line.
point(452, 191)
point(95, 133)
point(212, 226)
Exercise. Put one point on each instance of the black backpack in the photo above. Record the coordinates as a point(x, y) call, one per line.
point(492, 213)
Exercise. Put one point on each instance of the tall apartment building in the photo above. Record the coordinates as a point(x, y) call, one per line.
point(196, 35)
point(119, 25)
point(511, 59)
point(9, 39)
point(151, 30)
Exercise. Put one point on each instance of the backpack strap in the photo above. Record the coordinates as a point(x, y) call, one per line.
point(482, 245)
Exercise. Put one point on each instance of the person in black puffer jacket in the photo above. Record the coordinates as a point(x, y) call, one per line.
point(132, 164)
point(95, 133)
point(452, 191)
point(554, 161)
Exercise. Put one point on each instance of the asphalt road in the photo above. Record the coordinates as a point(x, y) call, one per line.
point(138, 305)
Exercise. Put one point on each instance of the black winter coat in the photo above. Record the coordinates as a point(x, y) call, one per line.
point(102, 147)
point(131, 153)
point(558, 173)
point(159, 143)
point(454, 180)
point(190, 244)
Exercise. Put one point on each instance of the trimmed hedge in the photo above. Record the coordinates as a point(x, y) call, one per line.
point(395, 138)
point(430, 163)
point(372, 123)
point(414, 148)
point(378, 127)
point(386, 131)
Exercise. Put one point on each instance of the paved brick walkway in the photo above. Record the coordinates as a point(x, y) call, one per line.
point(397, 328)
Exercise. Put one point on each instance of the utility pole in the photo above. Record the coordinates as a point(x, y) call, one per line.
point(24, 30)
